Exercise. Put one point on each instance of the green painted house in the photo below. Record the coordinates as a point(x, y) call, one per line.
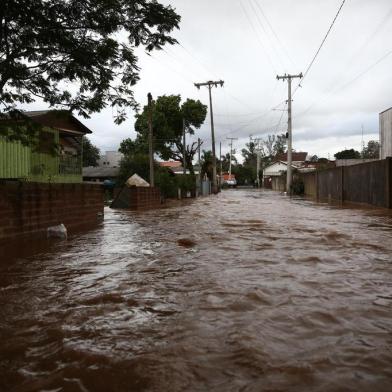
point(56, 155)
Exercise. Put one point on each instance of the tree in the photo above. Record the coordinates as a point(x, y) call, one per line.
point(372, 151)
point(206, 164)
point(167, 119)
point(91, 154)
point(274, 145)
point(348, 154)
point(226, 161)
point(78, 55)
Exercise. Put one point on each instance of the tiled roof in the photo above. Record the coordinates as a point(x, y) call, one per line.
point(296, 157)
point(170, 164)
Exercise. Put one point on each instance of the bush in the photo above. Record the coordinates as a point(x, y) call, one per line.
point(298, 186)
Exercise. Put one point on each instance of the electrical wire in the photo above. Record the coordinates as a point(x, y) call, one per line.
point(257, 36)
point(284, 49)
point(319, 48)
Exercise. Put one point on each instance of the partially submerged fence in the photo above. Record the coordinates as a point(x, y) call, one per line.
point(367, 183)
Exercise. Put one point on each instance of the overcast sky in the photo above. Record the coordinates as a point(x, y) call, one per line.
point(247, 43)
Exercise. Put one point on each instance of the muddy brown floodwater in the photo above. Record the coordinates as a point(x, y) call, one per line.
point(245, 291)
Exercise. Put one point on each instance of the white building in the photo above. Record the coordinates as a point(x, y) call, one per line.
point(386, 133)
point(110, 159)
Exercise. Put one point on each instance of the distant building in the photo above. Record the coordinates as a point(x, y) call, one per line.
point(297, 158)
point(110, 159)
point(386, 133)
point(176, 167)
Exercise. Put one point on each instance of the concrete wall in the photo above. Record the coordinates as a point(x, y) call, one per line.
point(138, 198)
point(386, 133)
point(367, 183)
point(28, 209)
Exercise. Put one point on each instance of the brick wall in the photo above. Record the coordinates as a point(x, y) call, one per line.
point(138, 198)
point(28, 209)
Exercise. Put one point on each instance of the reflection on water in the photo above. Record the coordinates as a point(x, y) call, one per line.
point(245, 291)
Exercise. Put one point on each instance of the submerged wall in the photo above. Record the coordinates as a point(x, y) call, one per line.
point(28, 209)
point(137, 198)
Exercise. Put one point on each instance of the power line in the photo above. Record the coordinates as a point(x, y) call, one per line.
point(284, 49)
point(319, 48)
point(257, 36)
point(265, 31)
point(351, 81)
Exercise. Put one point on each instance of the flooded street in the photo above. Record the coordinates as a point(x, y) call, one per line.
point(245, 291)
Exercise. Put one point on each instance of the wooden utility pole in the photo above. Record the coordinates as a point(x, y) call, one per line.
point(220, 162)
point(184, 146)
point(211, 84)
point(150, 136)
point(199, 159)
point(231, 152)
point(256, 142)
point(289, 130)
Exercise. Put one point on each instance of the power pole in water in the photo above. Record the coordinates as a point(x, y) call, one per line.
point(211, 84)
point(231, 152)
point(183, 147)
point(150, 147)
point(199, 159)
point(289, 130)
point(220, 161)
point(257, 149)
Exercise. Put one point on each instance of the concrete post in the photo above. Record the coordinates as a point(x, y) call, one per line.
point(388, 182)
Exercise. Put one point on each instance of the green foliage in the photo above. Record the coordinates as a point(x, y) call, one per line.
point(348, 154)
point(207, 163)
point(135, 164)
point(91, 153)
point(166, 182)
point(187, 182)
point(297, 186)
point(78, 54)
point(372, 150)
point(245, 174)
point(167, 121)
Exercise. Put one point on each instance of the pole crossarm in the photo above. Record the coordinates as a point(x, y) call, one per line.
point(210, 83)
point(288, 76)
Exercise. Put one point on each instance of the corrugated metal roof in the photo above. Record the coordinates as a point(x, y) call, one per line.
point(96, 172)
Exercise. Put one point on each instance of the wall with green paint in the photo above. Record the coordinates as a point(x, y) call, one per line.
point(28, 163)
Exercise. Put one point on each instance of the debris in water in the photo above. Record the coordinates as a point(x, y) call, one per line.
point(186, 243)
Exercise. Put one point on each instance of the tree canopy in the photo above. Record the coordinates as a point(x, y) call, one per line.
point(348, 154)
point(372, 150)
point(91, 153)
point(167, 119)
point(79, 55)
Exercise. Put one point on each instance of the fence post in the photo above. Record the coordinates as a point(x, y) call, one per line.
point(388, 182)
point(342, 184)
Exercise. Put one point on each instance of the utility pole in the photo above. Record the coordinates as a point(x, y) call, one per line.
point(183, 147)
point(150, 147)
point(289, 130)
point(220, 161)
point(231, 152)
point(256, 142)
point(211, 84)
point(199, 159)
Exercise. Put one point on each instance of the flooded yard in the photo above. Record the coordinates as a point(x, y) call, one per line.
point(245, 291)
